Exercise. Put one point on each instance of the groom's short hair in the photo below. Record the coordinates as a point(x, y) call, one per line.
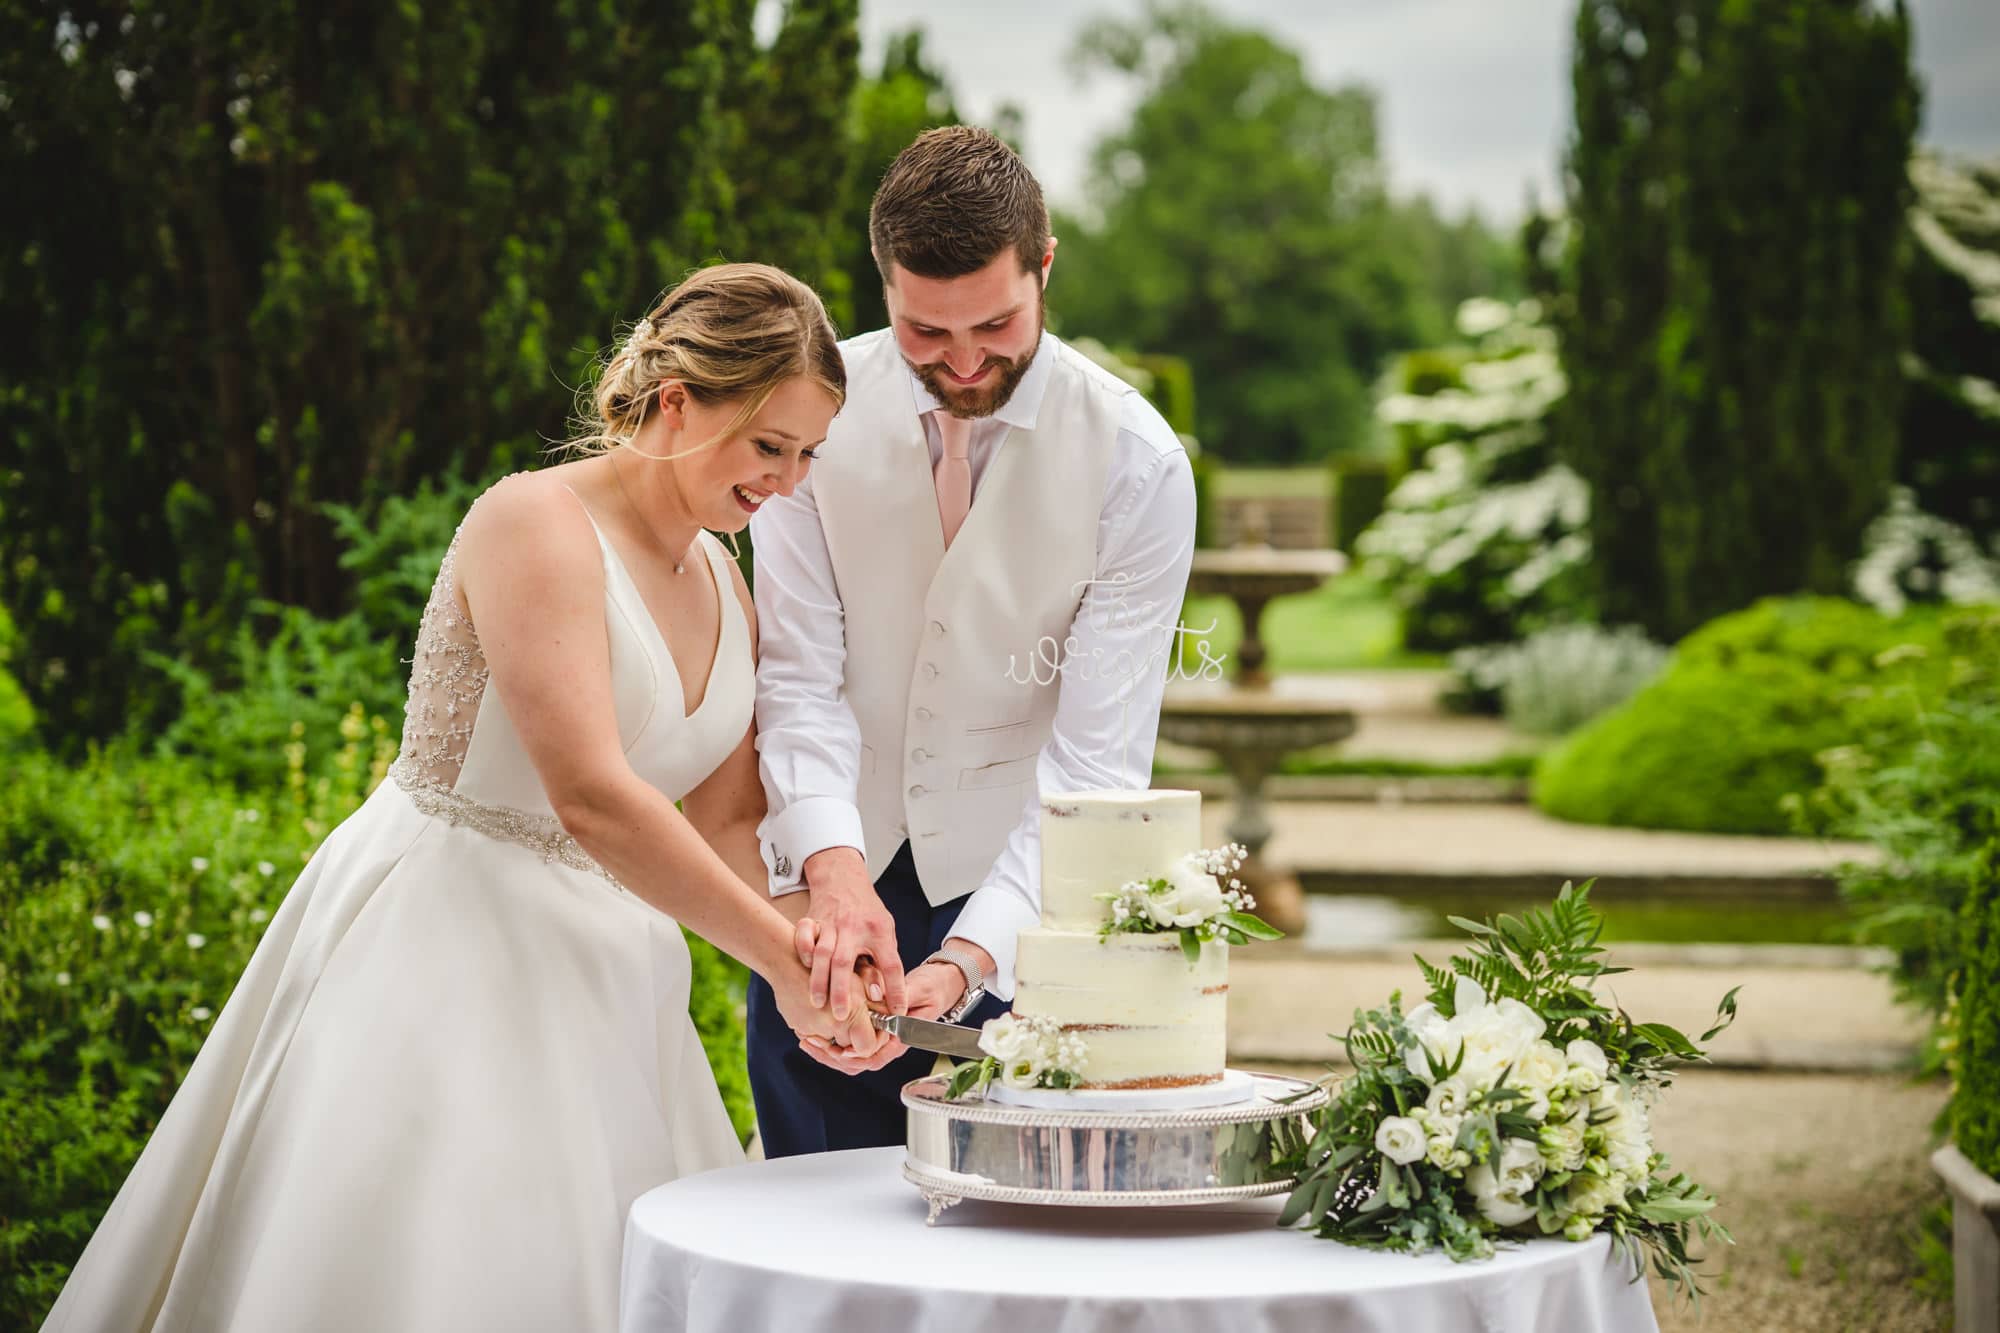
point(954, 199)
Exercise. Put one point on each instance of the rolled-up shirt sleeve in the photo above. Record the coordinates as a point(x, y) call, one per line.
point(1108, 706)
point(808, 742)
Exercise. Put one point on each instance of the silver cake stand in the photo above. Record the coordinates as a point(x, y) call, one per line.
point(1103, 1159)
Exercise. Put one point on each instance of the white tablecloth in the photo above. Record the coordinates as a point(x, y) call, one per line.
point(837, 1241)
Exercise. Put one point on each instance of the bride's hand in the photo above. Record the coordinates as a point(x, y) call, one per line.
point(849, 1047)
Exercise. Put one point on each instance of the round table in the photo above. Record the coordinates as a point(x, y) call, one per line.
point(837, 1241)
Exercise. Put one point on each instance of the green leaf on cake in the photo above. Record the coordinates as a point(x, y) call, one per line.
point(1191, 947)
point(1255, 927)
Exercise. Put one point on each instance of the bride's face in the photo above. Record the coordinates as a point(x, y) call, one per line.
point(768, 455)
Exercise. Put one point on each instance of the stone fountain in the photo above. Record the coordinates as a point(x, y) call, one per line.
point(1251, 722)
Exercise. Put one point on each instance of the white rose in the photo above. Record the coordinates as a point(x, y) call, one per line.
point(1499, 1206)
point(1007, 1039)
point(1447, 1101)
point(1590, 1195)
point(1434, 1040)
point(1562, 1144)
point(1021, 1073)
point(1588, 1066)
point(1503, 1188)
point(1520, 1165)
point(1540, 1068)
point(1400, 1139)
point(1492, 1043)
point(1163, 909)
point(1196, 895)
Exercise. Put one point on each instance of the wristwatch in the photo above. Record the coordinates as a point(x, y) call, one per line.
point(975, 981)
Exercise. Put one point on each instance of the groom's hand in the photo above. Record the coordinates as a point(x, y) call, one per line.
point(933, 989)
point(852, 923)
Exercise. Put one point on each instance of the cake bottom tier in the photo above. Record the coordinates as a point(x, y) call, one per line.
point(1148, 1017)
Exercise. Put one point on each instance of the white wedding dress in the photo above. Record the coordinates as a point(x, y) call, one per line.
point(459, 1052)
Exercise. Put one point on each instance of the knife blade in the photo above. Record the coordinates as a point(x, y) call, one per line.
point(925, 1035)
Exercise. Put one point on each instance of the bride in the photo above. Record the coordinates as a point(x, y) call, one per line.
point(463, 1048)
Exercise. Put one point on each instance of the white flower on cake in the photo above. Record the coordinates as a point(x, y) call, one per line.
point(1022, 1052)
point(1190, 898)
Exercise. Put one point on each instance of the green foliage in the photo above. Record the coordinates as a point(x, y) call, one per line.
point(1736, 729)
point(1933, 809)
point(1975, 1115)
point(1734, 315)
point(1172, 388)
point(346, 257)
point(1549, 960)
point(1206, 475)
point(17, 717)
point(905, 97)
point(1360, 488)
point(1257, 244)
point(137, 888)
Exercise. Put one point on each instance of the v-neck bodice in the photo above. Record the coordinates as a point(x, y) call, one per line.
point(459, 738)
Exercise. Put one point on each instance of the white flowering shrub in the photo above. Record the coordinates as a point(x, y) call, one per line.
point(1558, 678)
point(1910, 556)
point(1938, 539)
point(1484, 538)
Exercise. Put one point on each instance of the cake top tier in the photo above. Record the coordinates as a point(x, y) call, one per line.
point(1094, 842)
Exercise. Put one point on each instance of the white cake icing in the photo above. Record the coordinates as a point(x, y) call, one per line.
point(1149, 1017)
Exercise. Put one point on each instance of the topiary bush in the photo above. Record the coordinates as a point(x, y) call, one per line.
point(1736, 729)
point(1360, 489)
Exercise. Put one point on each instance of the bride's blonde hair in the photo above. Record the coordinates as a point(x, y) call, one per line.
point(729, 332)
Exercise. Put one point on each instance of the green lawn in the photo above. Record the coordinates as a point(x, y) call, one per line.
point(1348, 624)
point(1255, 483)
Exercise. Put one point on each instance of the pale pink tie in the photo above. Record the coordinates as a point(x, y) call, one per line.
point(953, 473)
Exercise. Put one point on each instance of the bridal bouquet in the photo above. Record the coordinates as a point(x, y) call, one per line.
point(1511, 1103)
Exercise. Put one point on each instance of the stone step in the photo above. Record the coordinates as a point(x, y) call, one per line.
point(1800, 1007)
point(1344, 846)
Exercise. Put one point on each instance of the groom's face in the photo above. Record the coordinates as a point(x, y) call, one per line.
point(970, 339)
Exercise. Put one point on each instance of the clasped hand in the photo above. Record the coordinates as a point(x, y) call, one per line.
point(847, 940)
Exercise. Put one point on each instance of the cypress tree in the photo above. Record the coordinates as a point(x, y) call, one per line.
point(1734, 320)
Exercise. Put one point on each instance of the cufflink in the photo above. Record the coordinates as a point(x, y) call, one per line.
point(783, 865)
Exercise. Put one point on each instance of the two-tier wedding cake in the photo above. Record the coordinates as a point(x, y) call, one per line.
point(1147, 1010)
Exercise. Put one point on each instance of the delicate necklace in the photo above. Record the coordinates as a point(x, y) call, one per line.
point(680, 565)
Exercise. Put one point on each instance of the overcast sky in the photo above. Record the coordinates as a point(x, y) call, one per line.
point(1473, 95)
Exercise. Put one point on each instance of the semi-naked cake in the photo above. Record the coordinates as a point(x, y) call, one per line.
point(1147, 1016)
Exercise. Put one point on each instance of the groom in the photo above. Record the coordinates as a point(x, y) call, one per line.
point(985, 487)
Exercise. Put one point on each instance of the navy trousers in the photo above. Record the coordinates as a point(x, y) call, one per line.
point(802, 1106)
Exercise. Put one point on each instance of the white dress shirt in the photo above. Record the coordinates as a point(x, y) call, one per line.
point(1104, 729)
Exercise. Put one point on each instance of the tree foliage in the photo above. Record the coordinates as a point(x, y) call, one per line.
point(279, 258)
point(1735, 316)
point(1240, 221)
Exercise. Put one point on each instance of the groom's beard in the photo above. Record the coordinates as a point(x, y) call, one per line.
point(984, 401)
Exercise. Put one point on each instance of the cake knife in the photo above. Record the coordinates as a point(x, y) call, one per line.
point(944, 1038)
